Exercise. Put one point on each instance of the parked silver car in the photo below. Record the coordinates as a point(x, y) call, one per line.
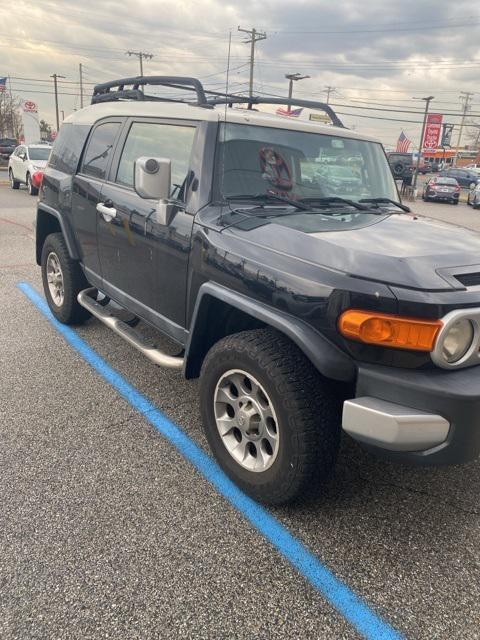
point(25, 162)
point(473, 198)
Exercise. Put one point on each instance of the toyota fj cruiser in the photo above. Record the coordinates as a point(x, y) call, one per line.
point(304, 303)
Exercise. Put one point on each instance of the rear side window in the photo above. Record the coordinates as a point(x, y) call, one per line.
point(67, 148)
point(100, 149)
point(157, 140)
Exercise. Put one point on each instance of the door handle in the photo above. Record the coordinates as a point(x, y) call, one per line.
point(108, 213)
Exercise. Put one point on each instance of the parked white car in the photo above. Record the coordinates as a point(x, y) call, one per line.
point(24, 162)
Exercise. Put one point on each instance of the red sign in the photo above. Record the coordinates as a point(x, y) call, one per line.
point(30, 107)
point(433, 132)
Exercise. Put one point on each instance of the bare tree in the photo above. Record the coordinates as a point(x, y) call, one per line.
point(473, 134)
point(10, 118)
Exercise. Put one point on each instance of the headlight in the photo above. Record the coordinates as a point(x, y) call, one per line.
point(457, 340)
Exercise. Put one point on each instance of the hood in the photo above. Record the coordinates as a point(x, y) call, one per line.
point(40, 164)
point(399, 250)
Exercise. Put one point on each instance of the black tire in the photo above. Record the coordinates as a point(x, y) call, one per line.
point(454, 201)
point(306, 405)
point(74, 281)
point(33, 191)
point(14, 184)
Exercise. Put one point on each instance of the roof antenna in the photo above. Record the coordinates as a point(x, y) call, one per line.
point(222, 129)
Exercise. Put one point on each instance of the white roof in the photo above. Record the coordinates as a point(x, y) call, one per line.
point(182, 111)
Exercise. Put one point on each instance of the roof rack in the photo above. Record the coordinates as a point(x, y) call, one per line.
point(103, 92)
point(115, 90)
point(231, 99)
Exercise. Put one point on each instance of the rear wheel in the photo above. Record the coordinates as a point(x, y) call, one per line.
point(272, 421)
point(33, 191)
point(63, 280)
point(15, 184)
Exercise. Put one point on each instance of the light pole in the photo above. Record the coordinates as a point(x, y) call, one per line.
point(420, 147)
point(293, 77)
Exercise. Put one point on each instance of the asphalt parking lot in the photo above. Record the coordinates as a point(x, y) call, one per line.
point(107, 531)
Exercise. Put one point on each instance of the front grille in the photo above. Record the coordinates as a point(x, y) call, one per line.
point(469, 279)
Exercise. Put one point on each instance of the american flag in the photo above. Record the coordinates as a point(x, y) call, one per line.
point(403, 143)
point(291, 113)
point(3, 84)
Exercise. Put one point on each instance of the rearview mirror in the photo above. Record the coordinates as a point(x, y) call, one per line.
point(152, 177)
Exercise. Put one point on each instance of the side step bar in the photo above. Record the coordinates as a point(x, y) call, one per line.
point(133, 337)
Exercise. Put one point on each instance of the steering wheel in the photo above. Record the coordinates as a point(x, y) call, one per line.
point(275, 169)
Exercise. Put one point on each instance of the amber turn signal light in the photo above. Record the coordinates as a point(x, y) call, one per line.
point(389, 330)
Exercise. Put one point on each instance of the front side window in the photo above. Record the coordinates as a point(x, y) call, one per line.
point(100, 149)
point(161, 141)
point(253, 160)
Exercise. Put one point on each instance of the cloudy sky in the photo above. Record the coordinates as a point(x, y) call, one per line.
point(377, 54)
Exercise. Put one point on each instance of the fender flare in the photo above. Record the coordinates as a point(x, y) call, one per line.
point(65, 228)
point(328, 359)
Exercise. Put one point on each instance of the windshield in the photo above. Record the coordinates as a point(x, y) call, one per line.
point(445, 181)
point(295, 164)
point(38, 153)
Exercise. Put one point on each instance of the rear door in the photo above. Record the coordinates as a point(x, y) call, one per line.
point(18, 164)
point(87, 188)
point(144, 263)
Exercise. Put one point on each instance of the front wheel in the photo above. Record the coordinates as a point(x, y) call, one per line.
point(272, 421)
point(63, 280)
point(14, 184)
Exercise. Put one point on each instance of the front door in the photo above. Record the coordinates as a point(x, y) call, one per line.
point(144, 262)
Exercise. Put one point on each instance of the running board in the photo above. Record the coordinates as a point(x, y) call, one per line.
point(132, 336)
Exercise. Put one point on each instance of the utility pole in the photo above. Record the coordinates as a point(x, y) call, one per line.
point(293, 77)
point(329, 90)
point(255, 36)
point(420, 147)
point(141, 55)
point(465, 96)
point(80, 71)
point(55, 76)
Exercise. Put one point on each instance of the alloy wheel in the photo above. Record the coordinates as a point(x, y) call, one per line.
point(55, 279)
point(246, 420)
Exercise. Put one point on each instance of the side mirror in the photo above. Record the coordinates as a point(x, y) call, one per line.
point(152, 178)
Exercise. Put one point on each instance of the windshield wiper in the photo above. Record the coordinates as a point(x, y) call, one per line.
point(387, 201)
point(269, 197)
point(334, 200)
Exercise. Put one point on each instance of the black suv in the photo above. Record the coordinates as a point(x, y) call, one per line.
point(303, 306)
point(7, 147)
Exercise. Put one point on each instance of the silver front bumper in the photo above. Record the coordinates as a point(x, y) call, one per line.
point(393, 426)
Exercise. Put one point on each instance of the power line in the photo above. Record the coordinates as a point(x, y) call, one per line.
point(255, 36)
point(55, 76)
point(465, 96)
point(141, 55)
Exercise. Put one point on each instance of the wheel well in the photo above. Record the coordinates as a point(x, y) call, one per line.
point(215, 320)
point(46, 224)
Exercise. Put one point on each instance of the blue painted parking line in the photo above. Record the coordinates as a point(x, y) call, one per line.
point(338, 594)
